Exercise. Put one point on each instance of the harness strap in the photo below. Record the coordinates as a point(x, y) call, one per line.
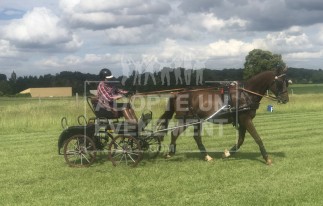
point(260, 95)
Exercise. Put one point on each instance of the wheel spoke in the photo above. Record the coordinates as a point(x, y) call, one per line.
point(116, 155)
point(125, 156)
point(126, 152)
point(122, 155)
point(79, 151)
point(78, 143)
point(133, 153)
point(131, 158)
point(86, 158)
point(71, 152)
point(89, 147)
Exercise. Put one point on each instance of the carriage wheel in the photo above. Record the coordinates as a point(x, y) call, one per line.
point(79, 151)
point(125, 150)
point(153, 147)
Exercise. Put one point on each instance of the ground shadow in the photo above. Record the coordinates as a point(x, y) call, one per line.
point(183, 156)
point(256, 156)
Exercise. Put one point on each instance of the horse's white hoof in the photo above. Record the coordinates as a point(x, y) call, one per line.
point(167, 156)
point(208, 158)
point(226, 153)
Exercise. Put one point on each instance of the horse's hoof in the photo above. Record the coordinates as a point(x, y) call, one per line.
point(269, 162)
point(167, 156)
point(208, 158)
point(226, 154)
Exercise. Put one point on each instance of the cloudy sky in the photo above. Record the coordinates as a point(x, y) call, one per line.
point(48, 36)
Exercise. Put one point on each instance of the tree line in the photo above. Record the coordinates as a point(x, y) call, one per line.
point(167, 78)
point(12, 86)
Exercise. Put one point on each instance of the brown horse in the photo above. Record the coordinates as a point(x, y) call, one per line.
point(238, 107)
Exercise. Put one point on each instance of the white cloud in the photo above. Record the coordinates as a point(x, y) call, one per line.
point(74, 44)
point(76, 61)
point(211, 23)
point(232, 47)
point(286, 42)
point(40, 28)
point(7, 50)
point(169, 49)
point(122, 35)
point(49, 62)
point(180, 31)
point(319, 34)
point(101, 58)
point(111, 5)
point(305, 55)
point(100, 15)
point(68, 6)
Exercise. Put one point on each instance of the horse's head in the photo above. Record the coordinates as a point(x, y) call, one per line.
point(280, 86)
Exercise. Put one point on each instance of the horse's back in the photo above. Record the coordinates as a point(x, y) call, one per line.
point(200, 104)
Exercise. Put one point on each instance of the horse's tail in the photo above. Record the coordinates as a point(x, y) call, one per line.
point(163, 121)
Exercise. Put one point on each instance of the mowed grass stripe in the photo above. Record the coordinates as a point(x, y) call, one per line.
point(280, 128)
point(288, 115)
point(31, 138)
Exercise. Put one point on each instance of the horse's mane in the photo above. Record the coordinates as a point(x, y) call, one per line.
point(260, 76)
point(259, 80)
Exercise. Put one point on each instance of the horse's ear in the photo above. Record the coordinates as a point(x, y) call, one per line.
point(280, 70)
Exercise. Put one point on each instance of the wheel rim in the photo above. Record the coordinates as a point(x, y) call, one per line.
point(79, 151)
point(125, 150)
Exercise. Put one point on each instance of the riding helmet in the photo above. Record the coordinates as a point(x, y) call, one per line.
point(105, 74)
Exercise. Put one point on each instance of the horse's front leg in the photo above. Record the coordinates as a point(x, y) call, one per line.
point(198, 140)
point(253, 132)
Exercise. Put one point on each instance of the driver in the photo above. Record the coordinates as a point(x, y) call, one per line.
point(108, 93)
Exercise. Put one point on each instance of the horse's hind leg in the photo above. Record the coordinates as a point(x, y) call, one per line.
point(198, 140)
point(174, 135)
point(236, 147)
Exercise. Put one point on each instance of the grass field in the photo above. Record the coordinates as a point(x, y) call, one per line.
point(32, 173)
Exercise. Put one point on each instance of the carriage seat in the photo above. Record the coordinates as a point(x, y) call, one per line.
point(124, 128)
point(101, 112)
point(120, 127)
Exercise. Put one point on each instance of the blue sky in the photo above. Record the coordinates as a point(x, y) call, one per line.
point(48, 36)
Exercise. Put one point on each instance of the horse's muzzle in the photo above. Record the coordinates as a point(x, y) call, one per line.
point(283, 101)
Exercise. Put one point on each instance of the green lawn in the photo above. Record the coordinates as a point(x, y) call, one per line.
point(306, 88)
point(32, 173)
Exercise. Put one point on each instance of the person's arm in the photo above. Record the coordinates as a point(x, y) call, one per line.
point(106, 94)
point(121, 91)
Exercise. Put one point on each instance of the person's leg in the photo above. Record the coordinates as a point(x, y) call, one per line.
point(130, 116)
point(128, 113)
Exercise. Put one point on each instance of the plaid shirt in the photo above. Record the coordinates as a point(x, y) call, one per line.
point(107, 94)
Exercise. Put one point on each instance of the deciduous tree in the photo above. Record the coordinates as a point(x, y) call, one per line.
point(259, 60)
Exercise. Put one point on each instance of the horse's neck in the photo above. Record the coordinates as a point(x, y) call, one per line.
point(260, 83)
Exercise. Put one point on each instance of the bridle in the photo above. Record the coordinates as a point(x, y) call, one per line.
point(280, 88)
point(277, 93)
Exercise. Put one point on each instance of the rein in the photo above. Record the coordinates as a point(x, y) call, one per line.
point(158, 92)
point(260, 95)
point(173, 90)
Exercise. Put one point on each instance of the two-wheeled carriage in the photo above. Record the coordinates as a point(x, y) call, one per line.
point(105, 133)
point(125, 143)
